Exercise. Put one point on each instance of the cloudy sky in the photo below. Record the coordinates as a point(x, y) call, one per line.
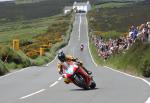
point(5, 0)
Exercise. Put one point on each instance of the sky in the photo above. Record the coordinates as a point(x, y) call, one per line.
point(5, 0)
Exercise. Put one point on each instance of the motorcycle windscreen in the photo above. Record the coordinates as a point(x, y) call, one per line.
point(70, 70)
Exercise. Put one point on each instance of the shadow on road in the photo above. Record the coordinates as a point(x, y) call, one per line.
point(80, 89)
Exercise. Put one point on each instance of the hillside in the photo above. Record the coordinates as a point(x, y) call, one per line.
point(11, 12)
point(114, 22)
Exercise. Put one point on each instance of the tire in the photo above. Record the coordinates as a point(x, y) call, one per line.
point(80, 81)
point(93, 85)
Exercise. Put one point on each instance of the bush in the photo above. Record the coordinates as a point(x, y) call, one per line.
point(3, 69)
point(146, 68)
point(11, 65)
point(9, 55)
point(25, 42)
point(32, 54)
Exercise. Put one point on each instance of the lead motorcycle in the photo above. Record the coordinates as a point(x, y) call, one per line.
point(75, 74)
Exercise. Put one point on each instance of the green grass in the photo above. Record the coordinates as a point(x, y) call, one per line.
point(93, 50)
point(118, 19)
point(32, 33)
point(135, 61)
point(26, 29)
point(107, 35)
point(114, 22)
point(112, 5)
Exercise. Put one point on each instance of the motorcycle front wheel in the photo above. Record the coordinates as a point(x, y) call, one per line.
point(80, 81)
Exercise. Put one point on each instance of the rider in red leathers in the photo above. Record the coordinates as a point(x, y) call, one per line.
point(64, 60)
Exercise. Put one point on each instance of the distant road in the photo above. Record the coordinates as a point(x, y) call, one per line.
point(44, 85)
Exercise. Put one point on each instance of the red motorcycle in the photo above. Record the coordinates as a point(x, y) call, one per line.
point(75, 74)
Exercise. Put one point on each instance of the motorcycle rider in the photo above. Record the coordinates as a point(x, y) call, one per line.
point(67, 58)
point(81, 46)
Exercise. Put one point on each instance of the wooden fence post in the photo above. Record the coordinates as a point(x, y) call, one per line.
point(16, 44)
point(42, 51)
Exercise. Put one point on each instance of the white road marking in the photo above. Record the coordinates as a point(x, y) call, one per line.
point(89, 45)
point(53, 84)
point(129, 75)
point(51, 61)
point(41, 89)
point(14, 72)
point(32, 94)
point(148, 100)
point(79, 27)
point(59, 78)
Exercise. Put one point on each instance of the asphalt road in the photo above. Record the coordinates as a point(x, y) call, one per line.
point(44, 85)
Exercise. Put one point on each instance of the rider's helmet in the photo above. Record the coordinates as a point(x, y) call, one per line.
point(82, 45)
point(61, 56)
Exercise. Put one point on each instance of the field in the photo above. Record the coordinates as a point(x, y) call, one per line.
point(51, 33)
point(114, 22)
point(119, 19)
point(11, 12)
point(36, 25)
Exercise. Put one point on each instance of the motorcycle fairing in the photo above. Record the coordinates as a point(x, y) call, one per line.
point(70, 69)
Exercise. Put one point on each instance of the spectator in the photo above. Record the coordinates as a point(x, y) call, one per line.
point(148, 26)
point(113, 46)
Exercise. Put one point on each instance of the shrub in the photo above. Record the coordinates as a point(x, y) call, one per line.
point(32, 54)
point(25, 42)
point(145, 67)
point(11, 65)
point(3, 69)
point(9, 55)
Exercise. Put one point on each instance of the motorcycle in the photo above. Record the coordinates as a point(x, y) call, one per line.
point(75, 74)
point(81, 48)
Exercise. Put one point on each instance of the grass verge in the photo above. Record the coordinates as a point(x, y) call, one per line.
point(114, 22)
point(57, 33)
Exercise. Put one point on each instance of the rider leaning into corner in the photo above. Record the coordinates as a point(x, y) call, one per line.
point(63, 61)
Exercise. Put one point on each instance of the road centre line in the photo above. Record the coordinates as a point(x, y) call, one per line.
point(53, 84)
point(33, 94)
point(41, 89)
point(56, 56)
point(148, 100)
point(79, 27)
point(59, 78)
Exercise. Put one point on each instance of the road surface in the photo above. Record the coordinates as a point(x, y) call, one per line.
point(44, 85)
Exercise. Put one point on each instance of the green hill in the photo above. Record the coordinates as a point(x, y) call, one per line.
point(11, 12)
point(114, 22)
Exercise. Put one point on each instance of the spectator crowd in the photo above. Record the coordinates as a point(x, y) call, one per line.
point(106, 48)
